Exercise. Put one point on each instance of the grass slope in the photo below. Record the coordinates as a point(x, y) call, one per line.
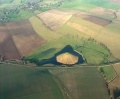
point(19, 82)
point(108, 72)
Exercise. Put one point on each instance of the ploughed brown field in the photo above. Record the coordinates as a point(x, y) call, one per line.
point(104, 12)
point(93, 19)
point(18, 39)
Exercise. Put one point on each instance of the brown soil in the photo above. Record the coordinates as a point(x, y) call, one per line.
point(18, 39)
point(7, 46)
point(54, 18)
point(94, 19)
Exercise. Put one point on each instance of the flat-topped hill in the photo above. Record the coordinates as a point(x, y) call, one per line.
point(69, 56)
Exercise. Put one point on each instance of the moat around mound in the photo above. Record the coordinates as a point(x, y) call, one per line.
point(66, 56)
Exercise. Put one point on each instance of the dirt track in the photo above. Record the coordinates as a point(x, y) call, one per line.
point(18, 39)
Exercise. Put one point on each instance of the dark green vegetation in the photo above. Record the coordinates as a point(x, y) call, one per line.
point(116, 93)
point(20, 82)
point(108, 72)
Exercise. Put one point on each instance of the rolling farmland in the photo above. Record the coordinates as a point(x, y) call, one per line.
point(36, 33)
point(42, 30)
point(98, 32)
point(94, 19)
point(19, 39)
point(7, 45)
point(54, 18)
point(23, 82)
point(72, 32)
point(81, 83)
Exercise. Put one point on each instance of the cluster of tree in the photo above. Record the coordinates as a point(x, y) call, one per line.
point(9, 11)
point(2, 58)
point(5, 1)
point(6, 14)
point(116, 93)
point(32, 60)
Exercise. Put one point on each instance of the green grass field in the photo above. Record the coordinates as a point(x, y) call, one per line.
point(108, 72)
point(87, 5)
point(20, 82)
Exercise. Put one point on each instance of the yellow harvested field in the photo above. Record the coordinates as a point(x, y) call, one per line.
point(81, 28)
point(67, 58)
point(54, 18)
point(101, 34)
point(111, 40)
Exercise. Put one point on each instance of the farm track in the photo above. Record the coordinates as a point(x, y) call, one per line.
point(74, 66)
